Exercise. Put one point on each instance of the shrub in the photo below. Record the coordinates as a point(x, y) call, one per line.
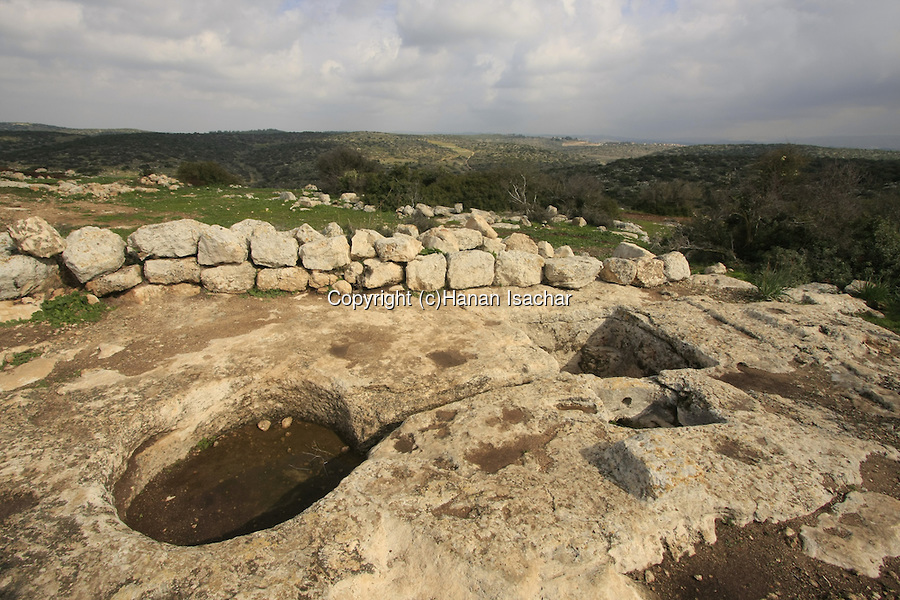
point(771, 283)
point(206, 173)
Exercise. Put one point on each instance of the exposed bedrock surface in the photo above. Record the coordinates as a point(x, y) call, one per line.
point(512, 452)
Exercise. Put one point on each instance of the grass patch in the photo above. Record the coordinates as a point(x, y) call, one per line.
point(771, 283)
point(599, 244)
point(205, 443)
point(890, 321)
point(20, 358)
point(69, 310)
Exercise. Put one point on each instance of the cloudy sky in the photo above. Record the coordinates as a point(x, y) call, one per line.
point(765, 70)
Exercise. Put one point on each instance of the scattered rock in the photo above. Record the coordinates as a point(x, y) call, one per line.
point(264, 425)
point(480, 224)
point(675, 266)
point(36, 237)
point(618, 270)
point(716, 269)
point(631, 251)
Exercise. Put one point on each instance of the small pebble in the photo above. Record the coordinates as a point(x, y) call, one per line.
point(649, 577)
point(92, 299)
point(264, 425)
point(698, 577)
point(286, 422)
point(790, 532)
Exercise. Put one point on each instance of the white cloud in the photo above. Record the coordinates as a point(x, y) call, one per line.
point(642, 68)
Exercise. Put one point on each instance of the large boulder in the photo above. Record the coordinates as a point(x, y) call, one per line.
point(398, 248)
point(440, 238)
point(167, 271)
point(115, 282)
point(518, 268)
point(618, 270)
point(91, 251)
point(469, 268)
point(229, 279)
point(362, 244)
point(36, 237)
point(379, 273)
point(545, 249)
point(220, 246)
point(571, 272)
point(175, 239)
point(650, 272)
point(426, 273)
point(285, 279)
point(675, 266)
point(326, 255)
point(273, 250)
point(21, 274)
point(520, 242)
point(632, 251)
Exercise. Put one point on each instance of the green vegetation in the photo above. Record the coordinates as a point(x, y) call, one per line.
point(205, 444)
point(69, 310)
point(20, 358)
point(205, 173)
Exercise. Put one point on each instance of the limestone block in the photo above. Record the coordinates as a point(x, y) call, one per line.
point(326, 255)
point(168, 271)
point(246, 228)
point(650, 272)
point(520, 242)
point(633, 251)
point(220, 246)
point(618, 270)
point(353, 272)
point(480, 224)
point(426, 273)
point(36, 237)
point(8, 246)
point(117, 281)
point(362, 244)
point(399, 248)
point(333, 229)
point(229, 279)
point(493, 245)
point(91, 251)
point(468, 239)
point(564, 252)
point(545, 249)
point(571, 272)
point(286, 279)
point(273, 250)
point(469, 268)
point(518, 268)
point(379, 273)
point(175, 239)
point(321, 279)
point(21, 274)
point(440, 238)
point(306, 234)
point(675, 266)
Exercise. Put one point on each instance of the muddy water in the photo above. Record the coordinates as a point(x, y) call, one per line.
point(248, 481)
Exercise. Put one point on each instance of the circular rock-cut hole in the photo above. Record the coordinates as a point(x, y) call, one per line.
point(242, 481)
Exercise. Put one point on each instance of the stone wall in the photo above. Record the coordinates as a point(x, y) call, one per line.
point(253, 254)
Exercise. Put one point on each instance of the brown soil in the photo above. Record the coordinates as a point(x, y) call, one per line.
point(68, 214)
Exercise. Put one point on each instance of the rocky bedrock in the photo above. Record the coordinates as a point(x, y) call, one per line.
point(512, 452)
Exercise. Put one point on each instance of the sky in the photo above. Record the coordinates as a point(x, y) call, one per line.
point(668, 70)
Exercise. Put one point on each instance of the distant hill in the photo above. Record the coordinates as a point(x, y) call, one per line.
point(7, 126)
